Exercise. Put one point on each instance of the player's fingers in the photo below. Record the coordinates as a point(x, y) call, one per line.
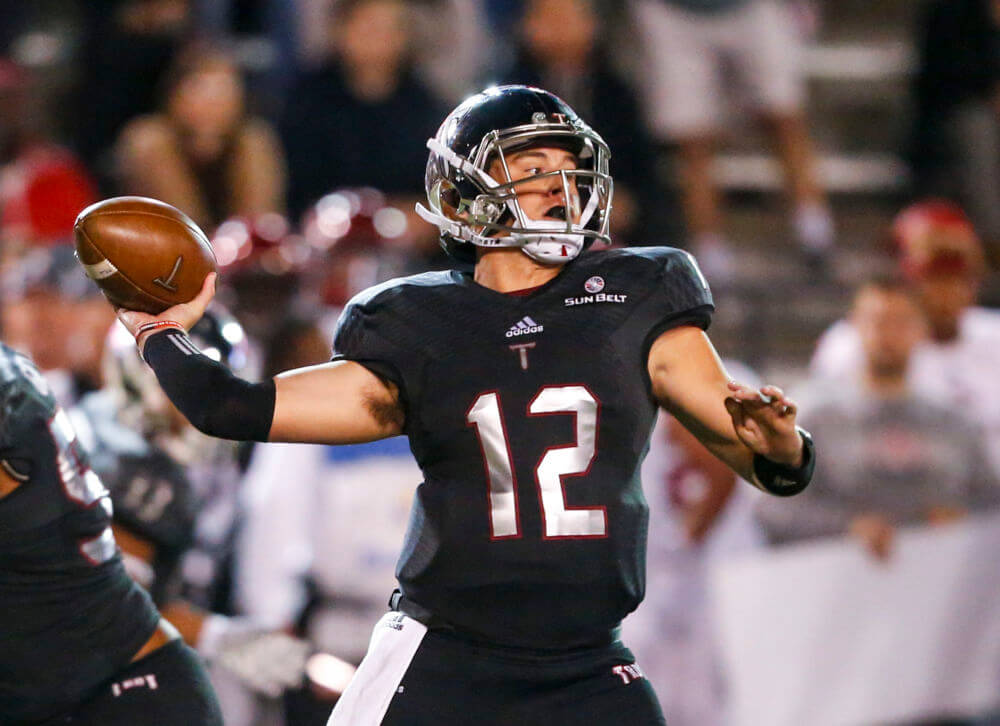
point(752, 398)
point(735, 386)
point(132, 319)
point(737, 412)
point(189, 313)
point(779, 401)
point(773, 391)
point(206, 293)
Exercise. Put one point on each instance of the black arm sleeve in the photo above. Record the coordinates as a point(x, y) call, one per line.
point(215, 401)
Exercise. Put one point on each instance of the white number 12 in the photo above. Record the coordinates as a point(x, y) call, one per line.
point(558, 461)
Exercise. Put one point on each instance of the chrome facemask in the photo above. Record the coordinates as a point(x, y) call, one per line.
point(494, 217)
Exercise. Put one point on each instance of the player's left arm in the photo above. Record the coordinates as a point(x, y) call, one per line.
point(752, 430)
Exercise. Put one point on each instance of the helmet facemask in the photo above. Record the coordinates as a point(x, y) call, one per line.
point(470, 205)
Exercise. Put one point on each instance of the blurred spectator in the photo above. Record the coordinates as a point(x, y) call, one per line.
point(450, 46)
point(901, 458)
point(16, 15)
point(51, 310)
point(698, 512)
point(127, 47)
point(363, 240)
point(363, 117)
point(939, 253)
point(265, 34)
point(689, 46)
point(453, 47)
point(42, 185)
point(202, 152)
point(267, 271)
point(956, 141)
point(560, 51)
point(322, 532)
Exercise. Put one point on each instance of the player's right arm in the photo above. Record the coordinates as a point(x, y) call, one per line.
point(334, 403)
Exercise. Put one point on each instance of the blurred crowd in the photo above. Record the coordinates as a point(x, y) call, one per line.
point(293, 132)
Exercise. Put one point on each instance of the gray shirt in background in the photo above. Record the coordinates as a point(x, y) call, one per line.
point(896, 457)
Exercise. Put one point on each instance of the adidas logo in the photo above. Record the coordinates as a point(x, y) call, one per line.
point(524, 326)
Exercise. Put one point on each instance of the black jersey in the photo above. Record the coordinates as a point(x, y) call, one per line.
point(529, 417)
point(152, 496)
point(70, 617)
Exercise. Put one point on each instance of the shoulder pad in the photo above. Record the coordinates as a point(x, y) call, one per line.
point(676, 283)
point(391, 291)
point(384, 327)
point(379, 310)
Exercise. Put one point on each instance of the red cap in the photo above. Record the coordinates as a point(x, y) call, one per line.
point(935, 237)
point(44, 189)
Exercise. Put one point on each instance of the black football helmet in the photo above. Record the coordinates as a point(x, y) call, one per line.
point(472, 208)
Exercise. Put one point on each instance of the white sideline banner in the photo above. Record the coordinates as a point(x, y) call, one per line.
point(822, 634)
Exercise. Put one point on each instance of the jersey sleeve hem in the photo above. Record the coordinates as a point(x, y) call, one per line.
point(700, 317)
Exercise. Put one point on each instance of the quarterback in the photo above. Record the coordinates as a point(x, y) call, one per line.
point(528, 383)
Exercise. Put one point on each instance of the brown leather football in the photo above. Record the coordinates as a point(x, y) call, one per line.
point(143, 254)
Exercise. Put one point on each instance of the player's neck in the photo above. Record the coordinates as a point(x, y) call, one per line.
point(508, 269)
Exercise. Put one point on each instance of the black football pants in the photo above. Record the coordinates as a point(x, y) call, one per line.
point(455, 682)
point(169, 687)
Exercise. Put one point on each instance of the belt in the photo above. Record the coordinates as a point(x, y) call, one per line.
point(164, 633)
point(402, 604)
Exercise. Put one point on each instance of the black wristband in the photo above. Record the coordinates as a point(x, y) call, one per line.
point(783, 480)
point(214, 400)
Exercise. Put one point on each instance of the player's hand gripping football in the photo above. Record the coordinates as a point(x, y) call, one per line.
point(185, 314)
point(764, 420)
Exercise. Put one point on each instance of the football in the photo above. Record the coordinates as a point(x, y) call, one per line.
point(143, 254)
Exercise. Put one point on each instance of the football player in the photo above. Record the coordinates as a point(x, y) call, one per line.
point(528, 385)
point(82, 642)
point(166, 481)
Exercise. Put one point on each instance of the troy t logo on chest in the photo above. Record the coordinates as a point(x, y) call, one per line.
point(522, 350)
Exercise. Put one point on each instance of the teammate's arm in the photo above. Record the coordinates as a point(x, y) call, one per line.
point(333, 403)
point(751, 430)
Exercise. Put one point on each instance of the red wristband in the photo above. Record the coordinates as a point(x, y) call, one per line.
point(157, 325)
